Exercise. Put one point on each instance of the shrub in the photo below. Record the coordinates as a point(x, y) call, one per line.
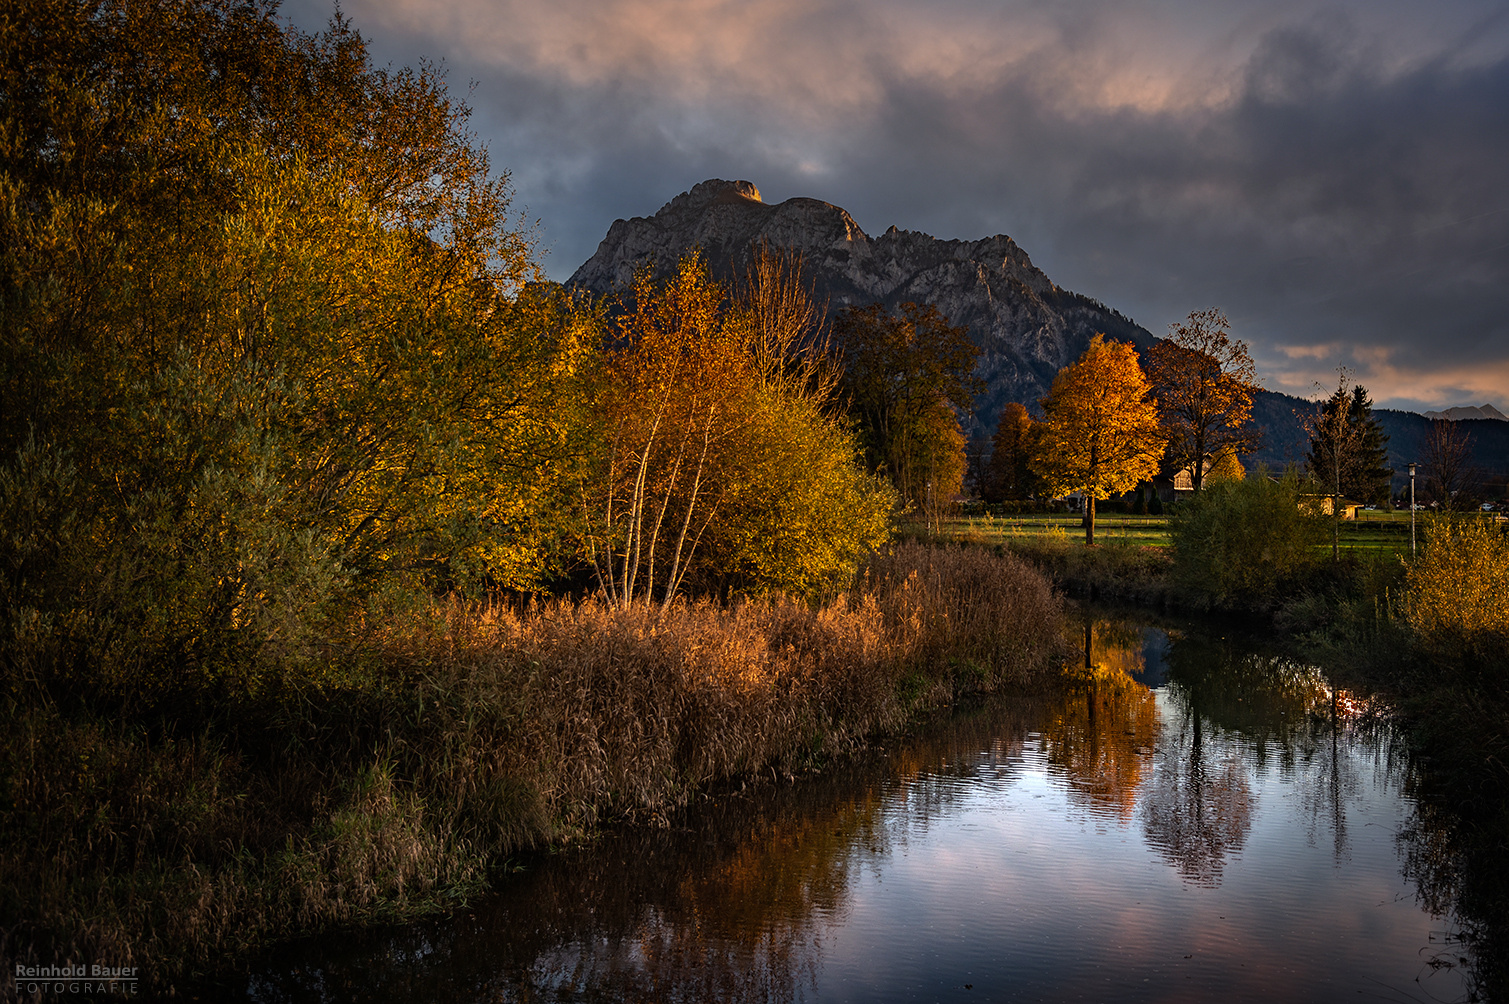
point(1243, 543)
point(1459, 601)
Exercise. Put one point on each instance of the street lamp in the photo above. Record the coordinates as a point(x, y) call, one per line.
point(1411, 510)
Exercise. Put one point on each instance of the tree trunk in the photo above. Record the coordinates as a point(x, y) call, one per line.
point(1089, 520)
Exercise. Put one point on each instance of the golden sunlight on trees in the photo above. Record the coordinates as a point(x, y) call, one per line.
point(1099, 428)
point(1204, 381)
point(1459, 600)
point(1225, 467)
point(720, 468)
point(906, 376)
point(263, 339)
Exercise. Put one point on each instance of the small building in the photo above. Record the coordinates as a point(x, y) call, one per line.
point(1172, 485)
point(1321, 505)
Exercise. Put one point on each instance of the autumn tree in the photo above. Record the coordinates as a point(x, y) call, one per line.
point(265, 338)
point(1009, 476)
point(719, 468)
point(1449, 471)
point(1204, 381)
point(1225, 467)
point(1099, 428)
point(906, 377)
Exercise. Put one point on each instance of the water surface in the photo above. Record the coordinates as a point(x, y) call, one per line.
point(1198, 820)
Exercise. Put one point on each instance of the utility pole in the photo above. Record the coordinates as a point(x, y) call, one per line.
point(1411, 510)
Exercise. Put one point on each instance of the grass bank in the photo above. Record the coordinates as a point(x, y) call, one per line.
point(439, 740)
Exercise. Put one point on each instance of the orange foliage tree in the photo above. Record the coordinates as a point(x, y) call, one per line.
point(719, 469)
point(1204, 380)
point(1010, 472)
point(1099, 428)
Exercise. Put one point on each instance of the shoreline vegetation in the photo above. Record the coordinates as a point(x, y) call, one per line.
point(1431, 632)
point(455, 734)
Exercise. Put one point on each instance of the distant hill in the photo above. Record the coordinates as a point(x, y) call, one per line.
point(1285, 440)
point(1027, 327)
point(1459, 414)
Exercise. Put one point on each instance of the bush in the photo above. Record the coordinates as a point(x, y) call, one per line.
point(1244, 543)
point(1459, 602)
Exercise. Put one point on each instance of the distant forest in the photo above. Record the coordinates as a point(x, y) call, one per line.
point(1285, 440)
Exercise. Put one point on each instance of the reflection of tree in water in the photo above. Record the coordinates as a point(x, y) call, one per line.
point(1102, 735)
point(733, 910)
point(1328, 774)
point(1456, 850)
point(1198, 809)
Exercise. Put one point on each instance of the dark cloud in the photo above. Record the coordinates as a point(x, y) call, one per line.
point(1333, 179)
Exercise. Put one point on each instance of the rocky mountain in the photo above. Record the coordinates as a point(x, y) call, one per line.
point(1027, 327)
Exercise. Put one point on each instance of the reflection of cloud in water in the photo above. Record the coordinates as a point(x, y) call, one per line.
point(767, 889)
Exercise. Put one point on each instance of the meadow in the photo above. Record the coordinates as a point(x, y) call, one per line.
point(1376, 533)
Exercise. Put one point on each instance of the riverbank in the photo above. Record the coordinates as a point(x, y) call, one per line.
point(444, 738)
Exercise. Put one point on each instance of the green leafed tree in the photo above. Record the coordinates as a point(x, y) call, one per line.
point(906, 376)
point(1244, 542)
point(267, 341)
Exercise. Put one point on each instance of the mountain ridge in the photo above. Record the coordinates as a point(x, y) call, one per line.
point(1026, 326)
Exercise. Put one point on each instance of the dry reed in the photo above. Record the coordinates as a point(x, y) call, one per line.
point(466, 733)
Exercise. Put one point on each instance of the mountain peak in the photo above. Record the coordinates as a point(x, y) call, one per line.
point(713, 192)
point(1026, 326)
point(1467, 413)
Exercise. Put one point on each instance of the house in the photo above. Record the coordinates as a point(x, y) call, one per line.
point(1176, 484)
point(1320, 505)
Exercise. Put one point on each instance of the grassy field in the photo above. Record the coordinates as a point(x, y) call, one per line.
point(1373, 532)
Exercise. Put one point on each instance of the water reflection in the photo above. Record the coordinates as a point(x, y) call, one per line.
point(1191, 807)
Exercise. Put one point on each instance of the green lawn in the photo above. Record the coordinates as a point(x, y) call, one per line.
point(1372, 532)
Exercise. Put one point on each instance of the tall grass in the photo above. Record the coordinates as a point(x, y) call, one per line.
point(443, 738)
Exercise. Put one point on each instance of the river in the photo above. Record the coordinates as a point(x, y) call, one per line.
point(1198, 819)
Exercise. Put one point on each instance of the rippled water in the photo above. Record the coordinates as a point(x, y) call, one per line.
point(1196, 821)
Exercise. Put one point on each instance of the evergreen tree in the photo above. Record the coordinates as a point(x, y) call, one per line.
point(1348, 449)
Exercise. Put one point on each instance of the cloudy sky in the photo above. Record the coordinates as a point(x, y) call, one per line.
point(1334, 175)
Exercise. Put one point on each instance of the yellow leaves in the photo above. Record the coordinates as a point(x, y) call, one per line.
point(718, 471)
point(1100, 427)
point(1460, 585)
